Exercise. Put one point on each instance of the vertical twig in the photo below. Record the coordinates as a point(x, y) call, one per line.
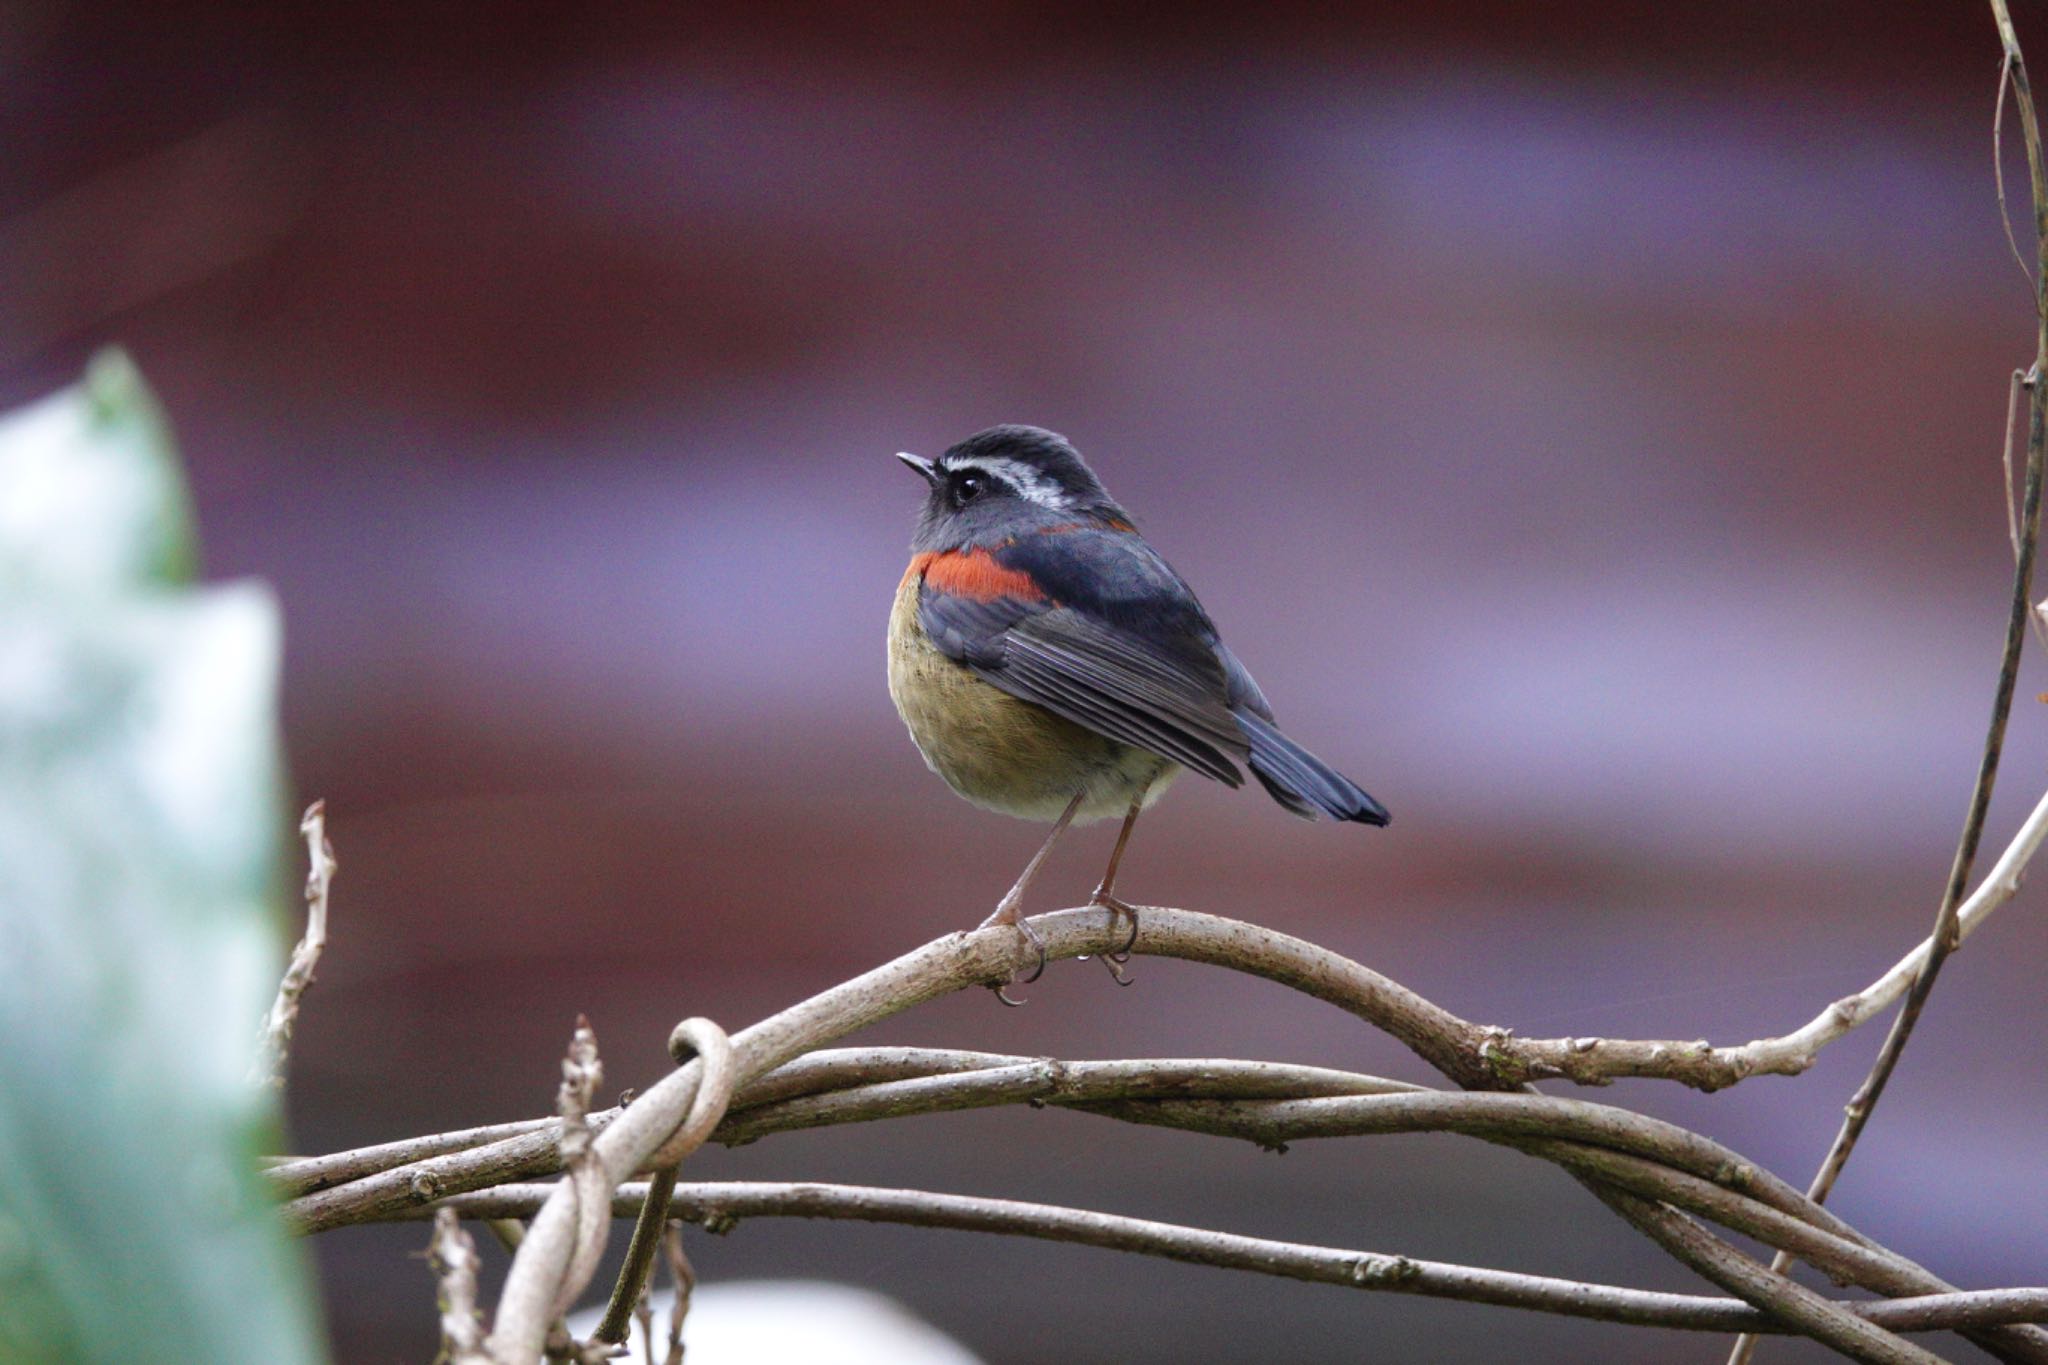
point(1945, 926)
point(694, 1037)
point(273, 1044)
point(453, 1256)
point(685, 1277)
point(2012, 71)
point(510, 1232)
point(648, 1228)
point(581, 1075)
point(643, 1314)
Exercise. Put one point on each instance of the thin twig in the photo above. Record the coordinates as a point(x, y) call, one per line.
point(691, 1038)
point(1471, 1054)
point(834, 1070)
point(453, 1256)
point(629, 1293)
point(684, 1277)
point(1947, 929)
point(1787, 1300)
point(303, 1175)
point(643, 1318)
point(1248, 1101)
point(721, 1205)
point(274, 1042)
point(582, 1073)
point(2025, 530)
point(2005, 64)
point(1251, 1101)
point(1728, 1190)
point(2037, 618)
point(565, 1243)
point(1946, 932)
point(510, 1232)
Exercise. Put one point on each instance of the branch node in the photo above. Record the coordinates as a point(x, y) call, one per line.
point(1386, 1272)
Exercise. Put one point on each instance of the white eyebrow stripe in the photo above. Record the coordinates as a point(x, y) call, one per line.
point(1028, 482)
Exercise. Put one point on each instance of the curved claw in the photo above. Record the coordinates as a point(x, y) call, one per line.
point(1118, 909)
point(1031, 935)
point(1115, 959)
point(1124, 953)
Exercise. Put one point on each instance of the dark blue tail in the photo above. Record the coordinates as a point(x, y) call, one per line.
point(1302, 782)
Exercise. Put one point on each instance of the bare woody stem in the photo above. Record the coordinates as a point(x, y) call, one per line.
point(967, 959)
point(1948, 928)
point(1660, 1178)
point(1272, 1104)
point(721, 1206)
point(455, 1263)
point(273, 1044)
point(342, 1188)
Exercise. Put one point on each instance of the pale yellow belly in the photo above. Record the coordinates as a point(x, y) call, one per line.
point(1002, 753)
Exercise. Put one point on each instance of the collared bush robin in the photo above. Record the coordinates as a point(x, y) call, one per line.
point(1051, 665)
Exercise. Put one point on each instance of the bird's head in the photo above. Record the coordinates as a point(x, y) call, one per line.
point(1005, 482)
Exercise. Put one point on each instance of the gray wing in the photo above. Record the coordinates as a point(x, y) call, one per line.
point(1103, 677)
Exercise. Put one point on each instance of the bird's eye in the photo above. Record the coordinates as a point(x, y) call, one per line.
point(968, 487)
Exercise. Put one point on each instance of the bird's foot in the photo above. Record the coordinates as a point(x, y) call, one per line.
point(1118, 910)
point(1007, 914)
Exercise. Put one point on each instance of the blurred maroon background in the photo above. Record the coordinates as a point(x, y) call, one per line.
point(1584, 420)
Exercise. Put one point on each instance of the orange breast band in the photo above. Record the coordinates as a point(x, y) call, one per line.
point(975, 574)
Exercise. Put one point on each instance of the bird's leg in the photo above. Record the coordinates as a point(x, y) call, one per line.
point(1009, 908)
point(1104, 895)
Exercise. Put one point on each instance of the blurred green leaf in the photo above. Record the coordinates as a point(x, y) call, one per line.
point(140, 843)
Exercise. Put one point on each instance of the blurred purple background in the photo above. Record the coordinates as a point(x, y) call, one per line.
point(1584, 420)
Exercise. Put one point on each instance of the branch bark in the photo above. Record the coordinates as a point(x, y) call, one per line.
point(1947, 930)
point(720, 1206)
point(2026, 535)
point(453, 1256)
point(274, 1042)
point(566, 1241)
point(1474, 1057)
point(1271, 1105)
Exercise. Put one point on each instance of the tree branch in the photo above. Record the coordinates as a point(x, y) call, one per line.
point(840, 1069)
point(453, 1256)
point(1947, 932)
point(567, 1239)
point(721, 1205)
point(1264, 1103)
point(1471, 1054)
point(274, 1041)
point(691, 1038)
point(1476, 1057)
point(2026, 534)
point(1786, 1300)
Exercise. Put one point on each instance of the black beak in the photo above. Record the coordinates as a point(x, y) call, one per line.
point(923, 467)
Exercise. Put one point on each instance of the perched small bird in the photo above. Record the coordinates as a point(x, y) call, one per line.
point(1050, 665)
